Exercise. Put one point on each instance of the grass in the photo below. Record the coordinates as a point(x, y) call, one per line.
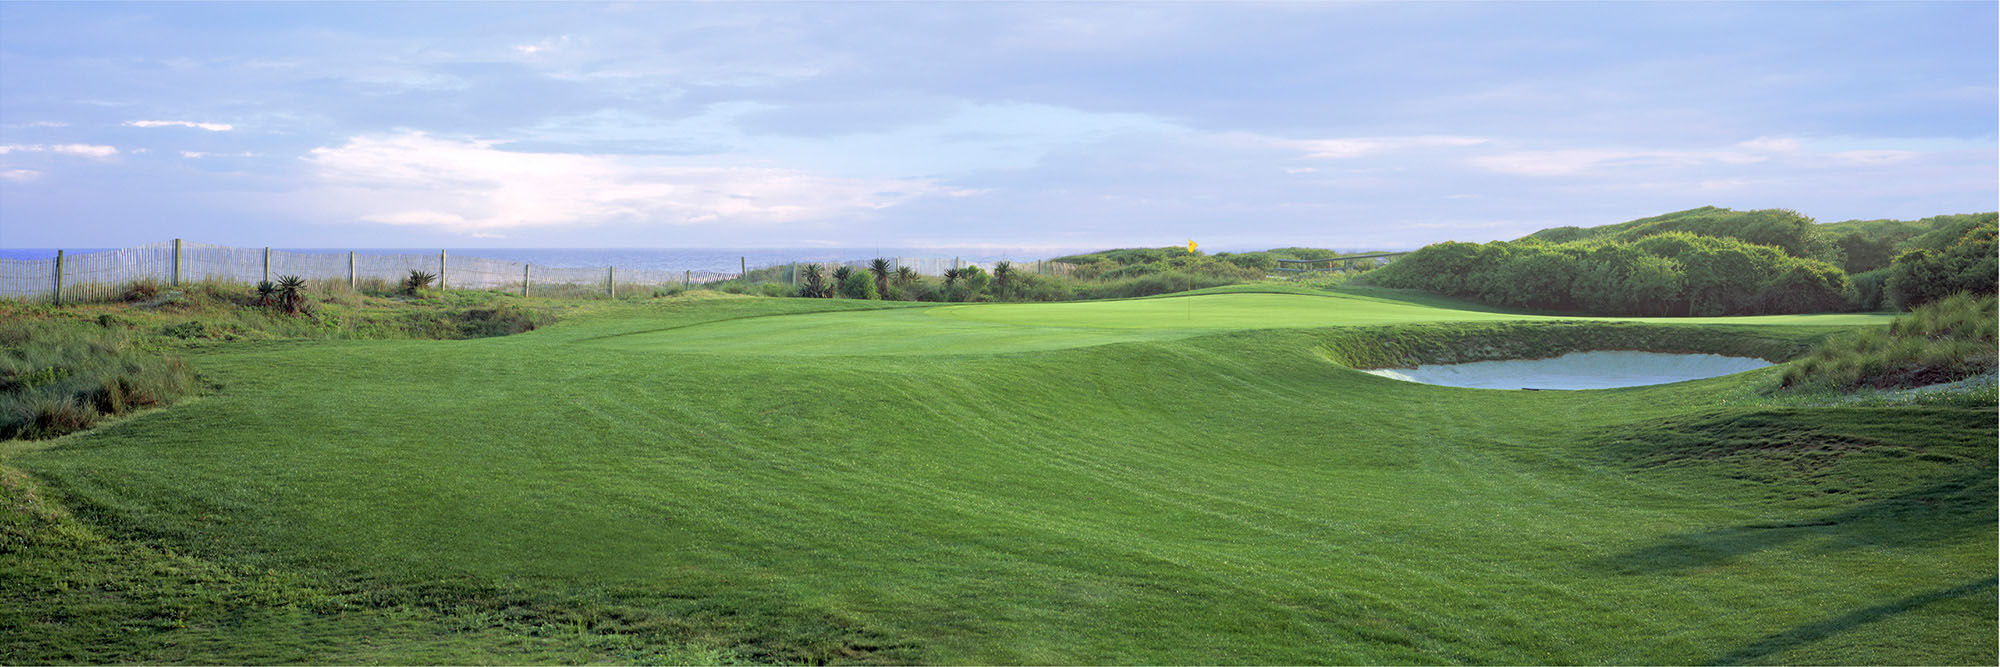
point(61, 377)
point(1947, 340)
point(790, 480)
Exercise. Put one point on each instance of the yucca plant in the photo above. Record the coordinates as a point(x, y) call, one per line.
point(880, 267)
point(905, 275)
point(291, 294)
point(814, 282)
point(418, 281)
point(1003, 273)
point(951, 277)
point(267, 294)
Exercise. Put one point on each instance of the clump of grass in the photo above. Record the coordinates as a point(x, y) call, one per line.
point(1946, 340)
point(140, 290)
point(59, 377)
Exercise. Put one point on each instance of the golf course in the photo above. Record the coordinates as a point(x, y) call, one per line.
point(1193, 478)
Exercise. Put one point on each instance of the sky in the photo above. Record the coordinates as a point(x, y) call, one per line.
point(1018, 125)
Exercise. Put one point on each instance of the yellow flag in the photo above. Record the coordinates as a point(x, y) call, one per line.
point(1190, 246)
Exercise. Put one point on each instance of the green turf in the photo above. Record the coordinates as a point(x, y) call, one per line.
point(1110, 482)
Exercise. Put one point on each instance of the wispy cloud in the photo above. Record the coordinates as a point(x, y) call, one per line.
point(85, 150)
point(20, 175)
point(476, 185)
point(1343, 148)
point(1563, 162)
point(212, 127)
point(196, 155)
point(541, 47)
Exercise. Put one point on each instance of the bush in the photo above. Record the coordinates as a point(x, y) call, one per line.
point(1674, 273)
point(418, 281)
point(857, 285)
point(1946, 266)
point(972, 281)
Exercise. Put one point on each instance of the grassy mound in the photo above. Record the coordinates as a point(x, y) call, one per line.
point(1943, 341)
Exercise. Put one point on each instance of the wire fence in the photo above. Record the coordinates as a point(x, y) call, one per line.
point(103, 276)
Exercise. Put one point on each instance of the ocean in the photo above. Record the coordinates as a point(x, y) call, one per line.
point(725, 260)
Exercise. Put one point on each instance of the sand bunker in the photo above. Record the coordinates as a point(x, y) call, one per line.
point(1577, 370)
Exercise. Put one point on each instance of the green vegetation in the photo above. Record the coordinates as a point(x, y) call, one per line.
point(1669, 273)
point(58, 377)
point(1958, 258)
point(1945, 340)
point(1195, 479)
point(1794, 234)
point(1716, 261)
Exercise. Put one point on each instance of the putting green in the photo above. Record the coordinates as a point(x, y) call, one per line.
point(1021, 327)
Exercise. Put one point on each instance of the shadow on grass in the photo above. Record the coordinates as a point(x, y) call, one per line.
point(1961, 507)
point(1812, 632)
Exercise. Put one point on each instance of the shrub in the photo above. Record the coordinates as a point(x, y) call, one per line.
point(812, 282)
point(1674, 273)
point(291, 294)
point(856, 284)
point(972, 282)
point(267, 294)
point(418, 281)
point(881, 270)
point(1944, 267)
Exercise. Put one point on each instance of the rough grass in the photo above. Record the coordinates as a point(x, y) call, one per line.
point(1943, 341)
point(791, 480)
point(58, 377)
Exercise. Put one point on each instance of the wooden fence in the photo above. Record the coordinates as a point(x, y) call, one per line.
point(101, 276)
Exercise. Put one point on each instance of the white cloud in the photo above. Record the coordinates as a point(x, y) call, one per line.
point(471, 185)
point(85, 150)
point(196, 155)
point(212, 127)
point(1872, 156)
point(1353, 147)
point(1572, 161)
point(1771, 144)
point(20, 175)
point(541, 47)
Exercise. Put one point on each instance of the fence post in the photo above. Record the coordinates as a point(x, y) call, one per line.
point(351, 284)
point(440, 269)
point(59, 271)
point(524, 280)
point(267, 264)
point(687, 278)
point(177, 262)
point(742, 268)
point(611, 282)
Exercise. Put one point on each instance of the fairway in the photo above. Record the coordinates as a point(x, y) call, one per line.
point(787, 480)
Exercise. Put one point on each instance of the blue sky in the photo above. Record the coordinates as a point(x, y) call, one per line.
point(1014, 125)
